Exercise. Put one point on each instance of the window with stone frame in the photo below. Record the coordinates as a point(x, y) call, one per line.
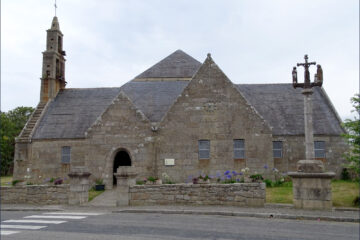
point(319, 149)
point(65, 154)
point(204, 149)
point(239, 149)
point(277, 149)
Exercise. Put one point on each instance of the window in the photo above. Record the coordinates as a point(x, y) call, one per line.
point(204, 149)
point(319, 147)
point(65, 154)
point(277, 149)
point(239, 149)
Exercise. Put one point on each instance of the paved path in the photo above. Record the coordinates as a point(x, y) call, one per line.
point(106, 199)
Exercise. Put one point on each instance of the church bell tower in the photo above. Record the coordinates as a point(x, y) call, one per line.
point(53, 69)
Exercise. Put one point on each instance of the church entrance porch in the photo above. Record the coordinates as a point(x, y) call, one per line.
point(122, 158)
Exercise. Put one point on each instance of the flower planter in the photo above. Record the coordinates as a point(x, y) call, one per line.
point(100, 187)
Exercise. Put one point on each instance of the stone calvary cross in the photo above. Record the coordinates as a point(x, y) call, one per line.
point(311, 185)
point(307, 92)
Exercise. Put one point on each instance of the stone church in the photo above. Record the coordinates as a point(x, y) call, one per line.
point(180, 117)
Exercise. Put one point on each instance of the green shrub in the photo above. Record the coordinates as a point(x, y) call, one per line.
point(152, 179)
point(99, 181)
point(140, 182)
point(269, 183)
point(345, 175)
point(14, 182)
point(256, 177)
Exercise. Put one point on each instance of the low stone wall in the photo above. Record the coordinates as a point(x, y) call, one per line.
point(35, 194)
point(238, 194)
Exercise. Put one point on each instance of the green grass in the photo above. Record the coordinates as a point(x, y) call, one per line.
point(6, 181)
point(93, 194)
point(343, 193)
point(281, 194)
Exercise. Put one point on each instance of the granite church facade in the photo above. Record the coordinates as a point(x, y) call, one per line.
point(180, 117)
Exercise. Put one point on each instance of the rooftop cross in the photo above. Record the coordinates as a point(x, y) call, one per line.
point(55, 7)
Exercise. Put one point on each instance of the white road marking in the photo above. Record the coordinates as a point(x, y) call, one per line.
point(57, 217)
point(75, 213)
point(4, 232)
point(34, 221)
point(30, 227)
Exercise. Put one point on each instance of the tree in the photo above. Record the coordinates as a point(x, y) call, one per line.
point(11, 124)
point(353, 137)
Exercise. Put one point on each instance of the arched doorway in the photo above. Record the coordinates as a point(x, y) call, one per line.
point(122, 158)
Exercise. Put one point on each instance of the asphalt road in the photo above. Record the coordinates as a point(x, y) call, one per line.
point(168, 226)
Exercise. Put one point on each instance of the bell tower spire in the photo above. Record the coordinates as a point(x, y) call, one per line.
point(53, 69)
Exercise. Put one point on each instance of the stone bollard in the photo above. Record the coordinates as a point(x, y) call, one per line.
point(311, 185)
point(125, 177)
point(79, 185)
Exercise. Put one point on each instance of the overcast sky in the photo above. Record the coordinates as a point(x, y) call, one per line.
point(109, 42)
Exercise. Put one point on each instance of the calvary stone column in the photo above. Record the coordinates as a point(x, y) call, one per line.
point(311, 185)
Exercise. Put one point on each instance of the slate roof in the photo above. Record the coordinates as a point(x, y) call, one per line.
point(282, 107)
point(73, 111)
point(176, 65)
point(154, 98)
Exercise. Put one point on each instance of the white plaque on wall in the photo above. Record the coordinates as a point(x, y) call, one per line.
point(169, 162)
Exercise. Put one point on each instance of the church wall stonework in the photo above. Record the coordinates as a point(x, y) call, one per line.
point(121, 127)
point(294, 150)
point(210, 108)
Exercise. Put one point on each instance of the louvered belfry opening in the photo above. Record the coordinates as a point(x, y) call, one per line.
point(122, 158)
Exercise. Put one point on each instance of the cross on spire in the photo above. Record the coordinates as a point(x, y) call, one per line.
point(55, 7)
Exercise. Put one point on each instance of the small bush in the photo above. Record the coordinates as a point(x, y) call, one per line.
point(14, 182)
point(140, 182)
point(345, 175)
point(52, 180)
point(29, 183)
point(99, 181)
point(269, 183)
point(152, 179)
point(257, 177)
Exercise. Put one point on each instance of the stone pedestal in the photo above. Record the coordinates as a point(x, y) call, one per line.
point(311, 185)
point(125, 177)
point(79, 186)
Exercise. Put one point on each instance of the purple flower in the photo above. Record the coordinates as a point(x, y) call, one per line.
point(234, 173)
point(238, 180)
point(228, 176)
point(227, 172)
point(266, 166)
point(240, 173)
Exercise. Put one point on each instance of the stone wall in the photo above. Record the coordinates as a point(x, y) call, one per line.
point(238, 194)
point(35, 194)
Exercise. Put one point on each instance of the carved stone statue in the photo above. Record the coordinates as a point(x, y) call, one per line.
point(294, 75)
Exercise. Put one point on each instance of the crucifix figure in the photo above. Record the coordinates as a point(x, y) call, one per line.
point(307, 92)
